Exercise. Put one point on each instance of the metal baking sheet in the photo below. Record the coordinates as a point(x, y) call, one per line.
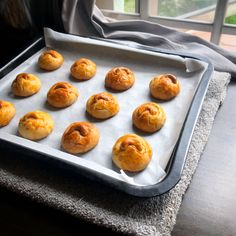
point(145, 64)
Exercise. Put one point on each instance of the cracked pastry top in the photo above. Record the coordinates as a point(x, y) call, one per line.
point(119, 79)
point(149, 117)
point(50, 60)
point(35, 125)
point(83, 69)
point(62, 94)
point(80, 137)
point(131, 153)
point(164, 87)
point(7, 112)
point(25, 85)
point(102, 105)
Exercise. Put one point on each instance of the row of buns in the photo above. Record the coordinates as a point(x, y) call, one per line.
point(148, 117)
point(119, 78)
point(130, 152)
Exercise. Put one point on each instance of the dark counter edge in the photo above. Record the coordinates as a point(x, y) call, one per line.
point(175, 166)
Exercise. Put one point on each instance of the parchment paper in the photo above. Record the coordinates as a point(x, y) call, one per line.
point(145, 65)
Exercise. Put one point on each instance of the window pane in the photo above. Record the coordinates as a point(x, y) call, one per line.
point(230, 16)
point(200, 10)
point(127, 6)
point(228, 42)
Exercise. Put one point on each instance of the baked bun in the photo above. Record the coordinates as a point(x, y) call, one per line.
point(62, 94)
point(164, 87)
point(35, 125)
point(149, 117)
point(25, 85)
point(80, 137)
point(119, 78)
point(102, 105)
point(83, 69)
point(132, 153)
point(7, 112)
point(50, 60)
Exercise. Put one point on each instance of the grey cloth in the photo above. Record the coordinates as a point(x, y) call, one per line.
point(84, 18)
point(65, 190)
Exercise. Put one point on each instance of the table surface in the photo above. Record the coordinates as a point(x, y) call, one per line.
point(208, 208)
point(209, 205)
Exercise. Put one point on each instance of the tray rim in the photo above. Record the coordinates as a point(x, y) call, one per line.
point(178, 157)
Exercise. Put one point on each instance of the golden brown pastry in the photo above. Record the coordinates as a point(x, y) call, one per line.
point(102, 105)
point(149, 117)
point(80, 137)
point(119, 78)
point(83, 69)
point(25, 85)
point(62, 94)
point(164, 87)
point(50, 60)
point(7, 112)
point(132, 153)
point(35, 125)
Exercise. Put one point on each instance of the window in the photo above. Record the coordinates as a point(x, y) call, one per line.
point(127, 6)
point(230, 16)
point(228, 41)
point(204, 18)
point(199, 10)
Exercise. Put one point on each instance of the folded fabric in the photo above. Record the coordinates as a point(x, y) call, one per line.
point(84, 18)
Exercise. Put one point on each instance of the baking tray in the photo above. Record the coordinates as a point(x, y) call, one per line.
point(176, 160)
